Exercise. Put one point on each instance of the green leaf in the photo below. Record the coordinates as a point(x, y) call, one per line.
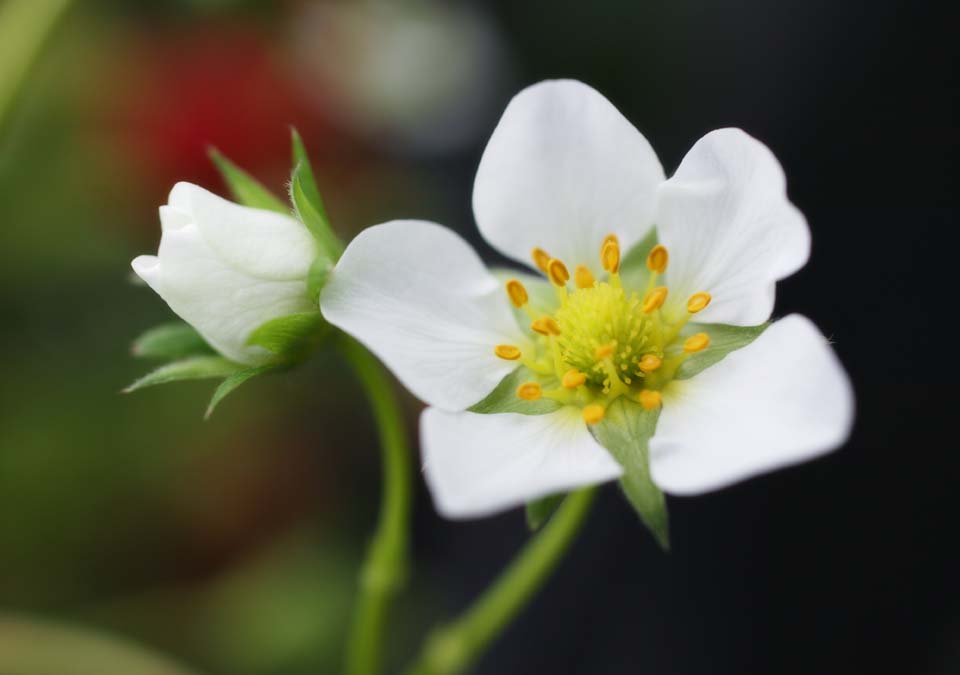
point(246, 189)
point(37, 647)
point(291, 337)
point(170, 341)
point(540, 510)
point(723, 340)
point(193, 368)
point(503, 398)
point(625, 431)
point(235, 380)
point(633, 266)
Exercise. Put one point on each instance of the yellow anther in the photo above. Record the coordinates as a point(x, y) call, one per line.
point(518, 293)
point(610, 256)
point(540, 258)
point(583, 277)
point(603, 351)
point(573, 378)
point(654, 299)
point(658, 259)
point(696, 343)
point(546, 326)
point(529, 391)
point(650, 362)
point(593, 413)
point(649, 399)
point(507, 352)
point(606, 240)
point(698, 302)
point(558, 273)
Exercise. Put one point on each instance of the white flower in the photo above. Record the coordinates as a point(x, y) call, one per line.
point(226, 269)
point(566, 173)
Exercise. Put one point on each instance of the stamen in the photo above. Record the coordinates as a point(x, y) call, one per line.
point(606, 240)
point(698, 302)
point(529, 391)
point(540, 258)
point(650, 399)
point(654, 299)
point(696, 343)
point(507, 352)
point(583, 277)
point(657, 259)
point(593, 413)
point(573, 378)
point(610, 255)
point(546, 326)
point(558, 273)
point(603, 351)
point(518, 294)
point(649, 363)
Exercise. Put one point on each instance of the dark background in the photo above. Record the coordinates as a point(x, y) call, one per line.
point(234, 544)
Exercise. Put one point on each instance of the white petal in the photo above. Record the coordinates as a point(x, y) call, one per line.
point(224, 305)
point(418, 296)
point(476, 465)
point(258, 242)
point(780, 400)
point(562, 170)
point(147, 267)
point(729, 227)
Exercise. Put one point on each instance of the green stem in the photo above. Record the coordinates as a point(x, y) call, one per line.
point(385, 571)
point(25, 26)
point(454, 647)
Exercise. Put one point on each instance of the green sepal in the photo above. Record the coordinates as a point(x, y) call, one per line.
point(540, 510)
point(170, 341)
point(193, 368)
point(625, 431)
point(235, 380)
point(308, 203)
point(317, 277)
point(503, 399)
point(723, 340)
point(292, 337)
point(633, 266)
point(246, 189)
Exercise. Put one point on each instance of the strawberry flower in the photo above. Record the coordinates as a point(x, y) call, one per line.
point(636, 350)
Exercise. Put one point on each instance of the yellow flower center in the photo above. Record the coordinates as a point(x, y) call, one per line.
point(603, 341)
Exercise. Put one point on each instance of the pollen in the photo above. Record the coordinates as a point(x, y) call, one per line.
point(529, 391)
point(583, 277)
point(657, 259)
point(540, 258)
point(649, 399)
point(518, 293)
point(606, 337)
point(610, 255)
point(507, 352)
point(654, 299)
point(558, 273)
point(593, 413)
point(546, 326)
point(696, 343)
point(698, 302)
point(649, 363)
point(573, 378)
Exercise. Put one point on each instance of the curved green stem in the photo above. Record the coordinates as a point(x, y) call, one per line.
point(454, 647)
point(385, 569)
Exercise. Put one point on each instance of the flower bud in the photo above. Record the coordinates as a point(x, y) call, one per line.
point(227, 269)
